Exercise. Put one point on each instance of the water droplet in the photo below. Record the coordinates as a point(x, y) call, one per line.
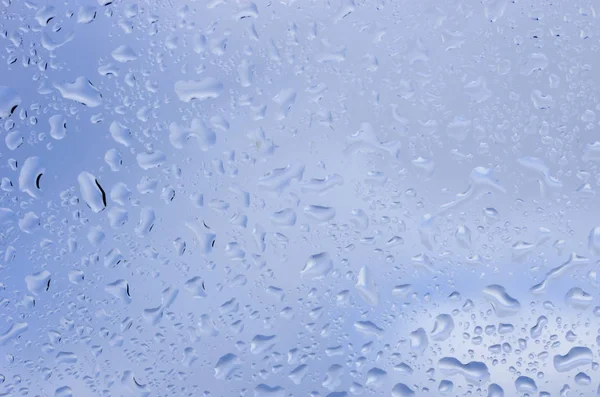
point(401, 390)
point(9, 101)
point(82, 91)
point(574, 358)
point(91, 191)
point(317, 266)
point(474, 372)
point(124, 53)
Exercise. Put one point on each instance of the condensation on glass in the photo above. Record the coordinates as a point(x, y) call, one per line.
point(299, 198)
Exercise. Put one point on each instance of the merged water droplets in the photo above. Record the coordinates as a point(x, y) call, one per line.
point(576, 357)
point(503, 304)
point(81, 90)
point(474, 372)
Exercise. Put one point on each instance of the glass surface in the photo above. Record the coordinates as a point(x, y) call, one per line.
point(299, 198)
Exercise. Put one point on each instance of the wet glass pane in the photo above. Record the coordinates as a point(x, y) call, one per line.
point(280, 198)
